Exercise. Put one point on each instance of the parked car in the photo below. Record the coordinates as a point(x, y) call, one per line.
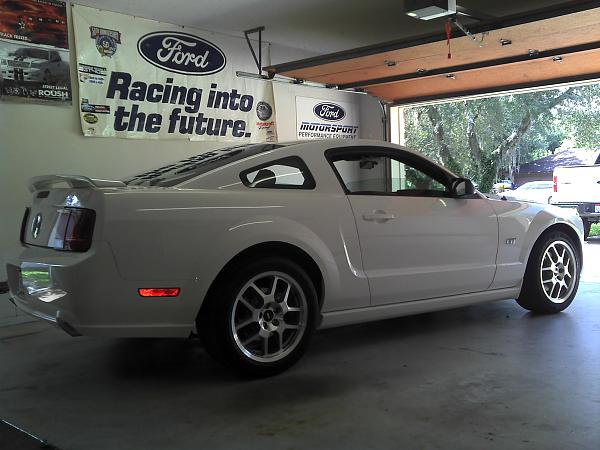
point(34, 64)
point(256, 246)
point(578, 187)
point(502, 185)
point(533, 191)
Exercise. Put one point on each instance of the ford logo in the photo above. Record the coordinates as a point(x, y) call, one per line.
point(181, 53)
point(329, 111)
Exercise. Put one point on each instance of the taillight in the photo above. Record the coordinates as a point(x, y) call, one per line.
point(555, 183)
point(73, 230)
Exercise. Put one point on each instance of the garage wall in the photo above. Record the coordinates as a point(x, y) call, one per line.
point(371, 126)
point(41, 139)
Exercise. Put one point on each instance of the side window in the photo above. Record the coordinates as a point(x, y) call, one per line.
point(376, 173)
point(363, 173)
point(407, 179)
point(285, 173)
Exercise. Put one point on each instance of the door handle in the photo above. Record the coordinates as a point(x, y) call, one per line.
point(378, 216)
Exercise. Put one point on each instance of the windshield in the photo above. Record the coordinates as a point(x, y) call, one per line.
point(188, 168)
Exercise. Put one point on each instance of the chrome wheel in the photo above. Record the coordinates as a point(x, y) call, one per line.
point(558, 271)
point(269, 317)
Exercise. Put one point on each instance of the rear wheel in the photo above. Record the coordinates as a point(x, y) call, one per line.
point(261, 319)
point(552, 275)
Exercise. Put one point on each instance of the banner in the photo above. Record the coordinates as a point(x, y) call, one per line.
point(144, 79)
point(323, 119)
point(34, 51)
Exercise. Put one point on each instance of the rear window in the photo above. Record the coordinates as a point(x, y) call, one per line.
point(180, 171)
point(285, 173)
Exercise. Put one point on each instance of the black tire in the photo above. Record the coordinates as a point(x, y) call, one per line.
point(217, 321)
point(534, 296)
point(587, 226)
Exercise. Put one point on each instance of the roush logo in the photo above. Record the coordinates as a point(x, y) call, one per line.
point(181, 53)
point(329, 111)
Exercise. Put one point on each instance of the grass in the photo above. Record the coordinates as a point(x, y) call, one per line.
point(595, 230)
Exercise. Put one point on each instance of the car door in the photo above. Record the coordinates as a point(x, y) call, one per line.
point(417, 241)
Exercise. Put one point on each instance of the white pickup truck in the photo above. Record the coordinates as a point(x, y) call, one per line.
point(579, 187)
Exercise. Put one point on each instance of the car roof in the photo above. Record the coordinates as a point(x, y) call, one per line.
point(181, 171)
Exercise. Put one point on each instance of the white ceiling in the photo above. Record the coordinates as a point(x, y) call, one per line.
point(316, 26)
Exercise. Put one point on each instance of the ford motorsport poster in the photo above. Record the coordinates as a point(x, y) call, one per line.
point(34, 51)
point(324, 119)
point(144, 79)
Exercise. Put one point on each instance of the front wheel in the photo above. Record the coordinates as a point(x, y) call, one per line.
point(261, 320)
point(552, 275)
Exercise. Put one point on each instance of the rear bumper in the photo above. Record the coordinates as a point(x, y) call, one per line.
point(84, 294)
point(55, 320)
point(590, 211)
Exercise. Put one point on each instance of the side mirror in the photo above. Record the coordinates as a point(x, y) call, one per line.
point(461, 187)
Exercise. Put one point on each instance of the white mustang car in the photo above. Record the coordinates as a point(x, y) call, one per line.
point(256, 246)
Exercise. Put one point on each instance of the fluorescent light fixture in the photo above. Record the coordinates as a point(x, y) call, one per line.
point(429, 9)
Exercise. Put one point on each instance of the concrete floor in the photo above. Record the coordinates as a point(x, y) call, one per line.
point(486, 376)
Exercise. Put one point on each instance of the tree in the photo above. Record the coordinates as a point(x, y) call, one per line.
point(486, 139)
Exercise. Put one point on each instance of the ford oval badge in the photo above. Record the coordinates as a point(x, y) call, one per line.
point(181, 53)
point(329, 111)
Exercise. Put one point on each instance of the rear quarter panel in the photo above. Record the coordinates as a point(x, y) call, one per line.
point(189, 235)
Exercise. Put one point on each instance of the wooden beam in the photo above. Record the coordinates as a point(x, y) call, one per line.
point(577, 67)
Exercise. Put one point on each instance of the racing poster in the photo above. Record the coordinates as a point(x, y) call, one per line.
point(34, 51)
point(144, 79)
point(324, 119)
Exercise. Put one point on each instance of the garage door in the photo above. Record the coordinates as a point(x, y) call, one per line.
point(550, 46)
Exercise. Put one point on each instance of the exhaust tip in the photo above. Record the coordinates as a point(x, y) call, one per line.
point(67, 327)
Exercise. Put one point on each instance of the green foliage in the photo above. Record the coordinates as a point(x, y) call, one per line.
point(490, 138)
point(581, 116)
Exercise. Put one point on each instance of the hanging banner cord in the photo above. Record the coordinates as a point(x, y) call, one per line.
point(257, 60)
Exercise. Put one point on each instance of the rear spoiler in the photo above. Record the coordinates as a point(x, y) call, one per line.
point(75, 181)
